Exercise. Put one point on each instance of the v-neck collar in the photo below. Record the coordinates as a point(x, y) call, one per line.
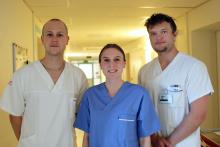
point(170, 64)
point(48, 79)
point(113, 99)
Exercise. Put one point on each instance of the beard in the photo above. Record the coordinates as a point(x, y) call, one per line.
point(161, 50)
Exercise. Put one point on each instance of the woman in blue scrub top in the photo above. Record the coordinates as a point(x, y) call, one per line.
point(116, 113)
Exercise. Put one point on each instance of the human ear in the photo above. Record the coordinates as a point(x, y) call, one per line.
point(175, 33)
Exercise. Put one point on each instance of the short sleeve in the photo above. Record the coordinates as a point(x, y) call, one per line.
point(82, 121)
point(82, 88)
point(13, 97)
point(148, 122)
point(198, 83)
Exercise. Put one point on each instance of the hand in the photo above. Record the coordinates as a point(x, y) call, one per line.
point(163, 142)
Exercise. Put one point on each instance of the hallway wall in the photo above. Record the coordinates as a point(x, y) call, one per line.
point(202, 44)
point(204, 15)
point(199, 44)
point(15, 26)
point(136, 52)
point(182, 43)
point(218, 70)
point(204, 48)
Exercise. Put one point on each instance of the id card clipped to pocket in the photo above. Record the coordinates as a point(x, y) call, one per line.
point(165, 97)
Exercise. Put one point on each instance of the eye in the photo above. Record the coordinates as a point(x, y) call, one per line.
point(117, 60)
point(49, 34)
point(152, 34)
point(164, 32)
point(60, 35)
point(106, 60)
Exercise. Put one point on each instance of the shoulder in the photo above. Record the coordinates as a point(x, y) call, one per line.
point(192, 64)
point(73, 68)
point(76, 72)
point(95, 88)
point(22, 75)
point(137, 92)
point(149, 66)
point(188, 59)
point(26, 69)
point(93, 91)
point(135, 88)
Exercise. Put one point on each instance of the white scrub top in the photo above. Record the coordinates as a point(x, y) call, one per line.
point(48, 109)
point(183, 81)
point(118, 121)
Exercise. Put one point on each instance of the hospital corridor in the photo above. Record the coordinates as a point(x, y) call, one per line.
point(93, 24)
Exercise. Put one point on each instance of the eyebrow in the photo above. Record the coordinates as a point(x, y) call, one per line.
point(119, 57)
point(164, 29)
point(56, 32)
point(114, 57)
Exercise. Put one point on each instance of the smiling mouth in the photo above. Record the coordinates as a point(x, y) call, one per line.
point(112, 71)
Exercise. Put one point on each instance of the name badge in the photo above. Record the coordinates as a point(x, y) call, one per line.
point(175, 88)
point(166, 99)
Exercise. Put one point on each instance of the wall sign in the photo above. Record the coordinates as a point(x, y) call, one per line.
point(20, 56)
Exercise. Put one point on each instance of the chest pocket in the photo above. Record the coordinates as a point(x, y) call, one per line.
point(176, 110)
point(173, 105)
point(128, 127)
point(71, 101)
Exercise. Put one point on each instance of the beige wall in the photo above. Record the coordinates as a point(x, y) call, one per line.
point(218, 69)
point(182, 34)
point(39, 51)
point(195, 40)
point(136, 57)
point(202, 44)
point(204, 15)
point(15, 26)
point(204, 48)
point(192, 38)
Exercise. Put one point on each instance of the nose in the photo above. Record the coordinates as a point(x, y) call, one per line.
point(159, 36)
point(54, 38)
point(112, 63)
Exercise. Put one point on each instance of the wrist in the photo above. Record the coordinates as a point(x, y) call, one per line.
point(169, 139)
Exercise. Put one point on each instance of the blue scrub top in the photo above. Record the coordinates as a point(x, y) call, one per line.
point(118, 121)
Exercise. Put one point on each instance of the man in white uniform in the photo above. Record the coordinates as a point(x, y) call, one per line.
point(179, 85)
point(41, 98)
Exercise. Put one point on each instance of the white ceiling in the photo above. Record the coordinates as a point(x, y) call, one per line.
point(93, 23)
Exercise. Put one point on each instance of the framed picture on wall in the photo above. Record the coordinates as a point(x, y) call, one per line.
point(20, 56)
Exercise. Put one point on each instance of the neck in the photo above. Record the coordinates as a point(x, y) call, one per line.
point(53, 64)
point(167, 57)
point(113, 86)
